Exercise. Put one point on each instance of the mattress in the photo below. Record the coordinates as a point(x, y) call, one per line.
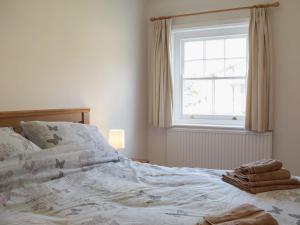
point(132, 193)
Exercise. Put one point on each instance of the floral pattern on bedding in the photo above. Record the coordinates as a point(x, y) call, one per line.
point(75, 185)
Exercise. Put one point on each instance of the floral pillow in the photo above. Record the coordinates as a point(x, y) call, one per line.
point(52, 134)
point(12, 144)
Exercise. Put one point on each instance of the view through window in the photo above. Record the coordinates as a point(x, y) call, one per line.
point(210, 75)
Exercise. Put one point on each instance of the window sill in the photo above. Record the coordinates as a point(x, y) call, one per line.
point(208, 126)
point(216, 129)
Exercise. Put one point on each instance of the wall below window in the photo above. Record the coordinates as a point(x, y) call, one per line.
point(221, 149)
point(89, 53)
point(286, 70)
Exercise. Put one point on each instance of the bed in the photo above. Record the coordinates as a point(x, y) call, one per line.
point(120, 192)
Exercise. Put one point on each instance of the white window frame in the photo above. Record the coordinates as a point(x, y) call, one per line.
point(201, 33)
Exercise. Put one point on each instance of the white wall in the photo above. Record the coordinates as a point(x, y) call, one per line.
point(77, 53)
point(286, 35)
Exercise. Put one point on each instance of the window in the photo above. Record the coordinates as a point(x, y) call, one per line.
point(210, 68)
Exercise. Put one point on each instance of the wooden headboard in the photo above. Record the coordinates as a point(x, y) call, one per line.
point(13, 118)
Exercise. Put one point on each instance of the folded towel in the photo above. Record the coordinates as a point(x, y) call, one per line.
point(261, 166)
point(281, 174)
point(262, 219)
point(243, 215)
point(290, 181)
point(264, 186)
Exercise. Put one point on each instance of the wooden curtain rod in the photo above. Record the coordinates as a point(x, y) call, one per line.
point(275, 4)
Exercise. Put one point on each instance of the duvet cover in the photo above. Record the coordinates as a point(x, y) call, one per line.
point(77, 185)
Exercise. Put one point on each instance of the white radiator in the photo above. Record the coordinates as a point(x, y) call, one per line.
point(215, 149)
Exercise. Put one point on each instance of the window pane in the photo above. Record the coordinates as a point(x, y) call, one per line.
point(193, 68)
point(197, 97)
point(214, 49)
point(230, 97)
point(236, 48)
point(214, 68)
point(235, 67)
point(193, 50)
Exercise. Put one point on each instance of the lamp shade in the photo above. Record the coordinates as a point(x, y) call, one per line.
point(117, 139)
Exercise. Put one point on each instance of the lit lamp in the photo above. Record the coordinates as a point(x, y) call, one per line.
point(116, 138)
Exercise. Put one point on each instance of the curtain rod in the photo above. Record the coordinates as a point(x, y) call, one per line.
point(275, 4)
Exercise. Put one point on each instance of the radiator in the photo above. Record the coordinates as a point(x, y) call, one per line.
point(215, 149)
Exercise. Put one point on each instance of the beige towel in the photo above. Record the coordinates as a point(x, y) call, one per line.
point(261, 166)
point(244, 215)
point(264, 186)
point(290, 181)
point(281, 174)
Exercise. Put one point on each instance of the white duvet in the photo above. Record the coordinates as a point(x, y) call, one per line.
point(125, 193)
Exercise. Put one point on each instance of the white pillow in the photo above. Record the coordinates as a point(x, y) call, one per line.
point(12, 144)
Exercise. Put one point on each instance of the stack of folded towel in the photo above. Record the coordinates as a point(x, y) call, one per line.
point(244, 215)
point(262, 176)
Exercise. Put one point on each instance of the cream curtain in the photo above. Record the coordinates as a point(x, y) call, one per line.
point(161, 85)
point(259, 110)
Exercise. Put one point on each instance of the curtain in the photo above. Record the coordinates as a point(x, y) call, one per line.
point(259, 109)
point(161, 85)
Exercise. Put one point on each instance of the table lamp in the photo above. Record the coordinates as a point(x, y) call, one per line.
point(116, 138)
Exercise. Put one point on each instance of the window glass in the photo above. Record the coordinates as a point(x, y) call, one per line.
point(214, 49)
point(193, 68)
point(236, 48)
point(197, 97)
point(214, 68)
point(211, 75)
point(193, 50)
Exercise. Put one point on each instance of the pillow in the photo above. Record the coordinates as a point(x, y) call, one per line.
point(52, 134)
point(12, 144)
